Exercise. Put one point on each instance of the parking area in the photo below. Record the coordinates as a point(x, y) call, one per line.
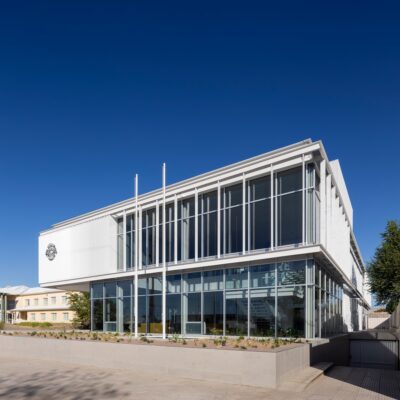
point(34, 379)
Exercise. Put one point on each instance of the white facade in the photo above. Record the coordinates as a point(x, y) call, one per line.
point(87, 246)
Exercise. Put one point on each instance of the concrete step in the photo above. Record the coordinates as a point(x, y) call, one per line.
point(299, 381)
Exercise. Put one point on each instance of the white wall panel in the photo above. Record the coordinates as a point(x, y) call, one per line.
point(83, 250)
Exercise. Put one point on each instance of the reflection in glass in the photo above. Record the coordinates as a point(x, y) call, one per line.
point(290, 317)
point(262, 312)
point(213, 317)
point(236, 312)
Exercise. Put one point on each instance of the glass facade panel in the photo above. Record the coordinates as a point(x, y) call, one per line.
point(262, 276)
point(236, 278)
point(174, 283)
point(174, 314)
point(186, 226)
point(213, 313)
point(213, 280)
point(236, 304)
point(232, 220)
point(207, 224)
point(98, 315)
point(291, 315)
point(289, 223)
point(149, 237)
point(154, 314)
point(262, 312)
point(291, 273)
point(110, 289)
point(259, 213)
point(97, 291)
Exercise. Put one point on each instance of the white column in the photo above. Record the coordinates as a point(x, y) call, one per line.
point(136, 255)
point(124, 242)
point(328, 221)
point(164, 281)
point(244, 214)
point(219, 221)
point(176, 230)
point(322, 232)
point(303, 193)
point(196, 225)
point(140, 238)
point(272, 207)
point(157, 234)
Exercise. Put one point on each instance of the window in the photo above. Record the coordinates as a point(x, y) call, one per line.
point(207, 224)
point(169, 233)
point(45, 301)
point(149, 237)
point(259, 213)
point(186, 226)
point(66, 316)
point(54, 316)
point(43, 317)
point(64, 300)
point(291, 316)
point(130, 241)
point(33, 317)
point(36, 302)
point(289, 204)
point(232, 220)
point(27, 303)
point(53, 300)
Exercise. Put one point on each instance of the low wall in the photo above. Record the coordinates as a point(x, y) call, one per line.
point(252, 368)
point(335, 349)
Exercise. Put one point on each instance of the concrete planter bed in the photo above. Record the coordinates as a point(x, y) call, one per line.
point(253, 367)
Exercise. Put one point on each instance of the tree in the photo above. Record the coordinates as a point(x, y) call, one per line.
point(80, 303)
point(384, 269)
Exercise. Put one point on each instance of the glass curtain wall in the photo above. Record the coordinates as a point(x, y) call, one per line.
point(261, 300)
point(289, 201)
point(328, 310)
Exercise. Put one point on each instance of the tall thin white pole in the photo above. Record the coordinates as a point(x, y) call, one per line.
point(164, 291)
point(136, 254)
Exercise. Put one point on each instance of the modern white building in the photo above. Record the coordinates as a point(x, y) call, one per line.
point(263, 247)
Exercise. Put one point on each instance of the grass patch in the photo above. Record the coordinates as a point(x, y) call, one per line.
point(36, 324)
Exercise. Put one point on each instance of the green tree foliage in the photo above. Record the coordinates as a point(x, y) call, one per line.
point(384, 269)
point(80, 303)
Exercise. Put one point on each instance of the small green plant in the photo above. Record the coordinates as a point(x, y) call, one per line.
point(33, 333)
point(36, 324)
point(243, 347)
point(204, 345)
point(1, 325)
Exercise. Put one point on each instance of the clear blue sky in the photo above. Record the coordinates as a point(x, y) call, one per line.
point(92, 92)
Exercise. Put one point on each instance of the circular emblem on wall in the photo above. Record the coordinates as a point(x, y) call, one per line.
point(51, 251)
